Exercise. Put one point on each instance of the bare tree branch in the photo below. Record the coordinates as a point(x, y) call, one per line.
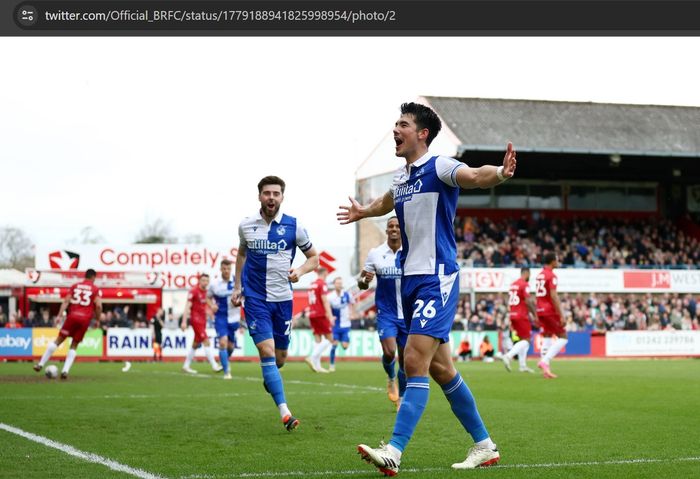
point(16, 249)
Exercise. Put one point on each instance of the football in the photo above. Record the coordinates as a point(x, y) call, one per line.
point(51, 371)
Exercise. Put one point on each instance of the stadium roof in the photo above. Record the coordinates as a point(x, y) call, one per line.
point(571, 127)
point(11, 277)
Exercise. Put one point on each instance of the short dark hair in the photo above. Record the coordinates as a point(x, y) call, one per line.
point(271, 180)
point(321, 270)
point(524, 269)
point(548, 258)
point(392, 218)
point(203, 275)
point(90, 274)
point(424, 117)
point(226, 262)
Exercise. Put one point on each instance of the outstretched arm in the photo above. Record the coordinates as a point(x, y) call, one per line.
point(488, 175)
point(379, 207)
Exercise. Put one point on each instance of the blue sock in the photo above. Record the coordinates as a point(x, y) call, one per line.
point(332, 359)
point(402, 382)
point(464, 407)
point(223, 357)
point(412, 407)
point(273, 380)
point(389, 367)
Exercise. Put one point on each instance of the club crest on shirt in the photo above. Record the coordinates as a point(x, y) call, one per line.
point(281, 230)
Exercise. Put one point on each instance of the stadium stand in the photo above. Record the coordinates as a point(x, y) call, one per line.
point(593, 312)
point(599, 242)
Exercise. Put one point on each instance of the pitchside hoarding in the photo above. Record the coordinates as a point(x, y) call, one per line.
point(16, 342)
point(42, 337)
point(28, 342)
point(652, 343)
point(579, 344)
point(137, 343)
point(91, 345)
point(573, 280)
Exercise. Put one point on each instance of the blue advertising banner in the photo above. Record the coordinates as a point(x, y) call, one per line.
point(16, 342)
point(579, 344)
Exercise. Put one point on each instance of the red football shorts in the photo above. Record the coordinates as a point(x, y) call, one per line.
point(521, 327)
point(74, 328)
point(320, 326)
point(200, 331)
point(551, 325)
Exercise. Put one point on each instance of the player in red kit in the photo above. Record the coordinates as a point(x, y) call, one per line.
point(320, 318)
point(83, 302)
point(549, 314)
point(196, 312)
point(521, 305)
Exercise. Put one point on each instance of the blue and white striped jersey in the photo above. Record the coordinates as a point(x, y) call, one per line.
point(271, 250)
point(221, 290)
point(340, 306)
point(425, 199)
point(383, 262)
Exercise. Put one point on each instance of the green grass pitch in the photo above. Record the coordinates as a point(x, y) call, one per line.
point(602, 419)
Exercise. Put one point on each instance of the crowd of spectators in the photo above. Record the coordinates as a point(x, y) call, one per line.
point(579, 242)
point(117, 317)
point(34, 319)
point(592, 312)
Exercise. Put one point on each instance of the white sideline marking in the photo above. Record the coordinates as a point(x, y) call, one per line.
point(259, 379)
point(443, 469)
point(174, 396)
point(311, 383)
point(87, 456)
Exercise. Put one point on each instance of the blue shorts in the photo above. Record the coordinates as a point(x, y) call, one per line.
point(341, 334)
point(430, 301)
point(268, 320)
point(224, 328)
point(392, 327)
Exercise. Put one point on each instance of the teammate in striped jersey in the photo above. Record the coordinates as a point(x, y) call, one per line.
point(382, 262)
point(263, 280)
point(227, 318)
point(343, 310)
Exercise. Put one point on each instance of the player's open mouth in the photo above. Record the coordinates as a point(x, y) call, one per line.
point(398, 141)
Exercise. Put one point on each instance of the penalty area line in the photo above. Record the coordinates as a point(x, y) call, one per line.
point(444, 469)
point(86, 456)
